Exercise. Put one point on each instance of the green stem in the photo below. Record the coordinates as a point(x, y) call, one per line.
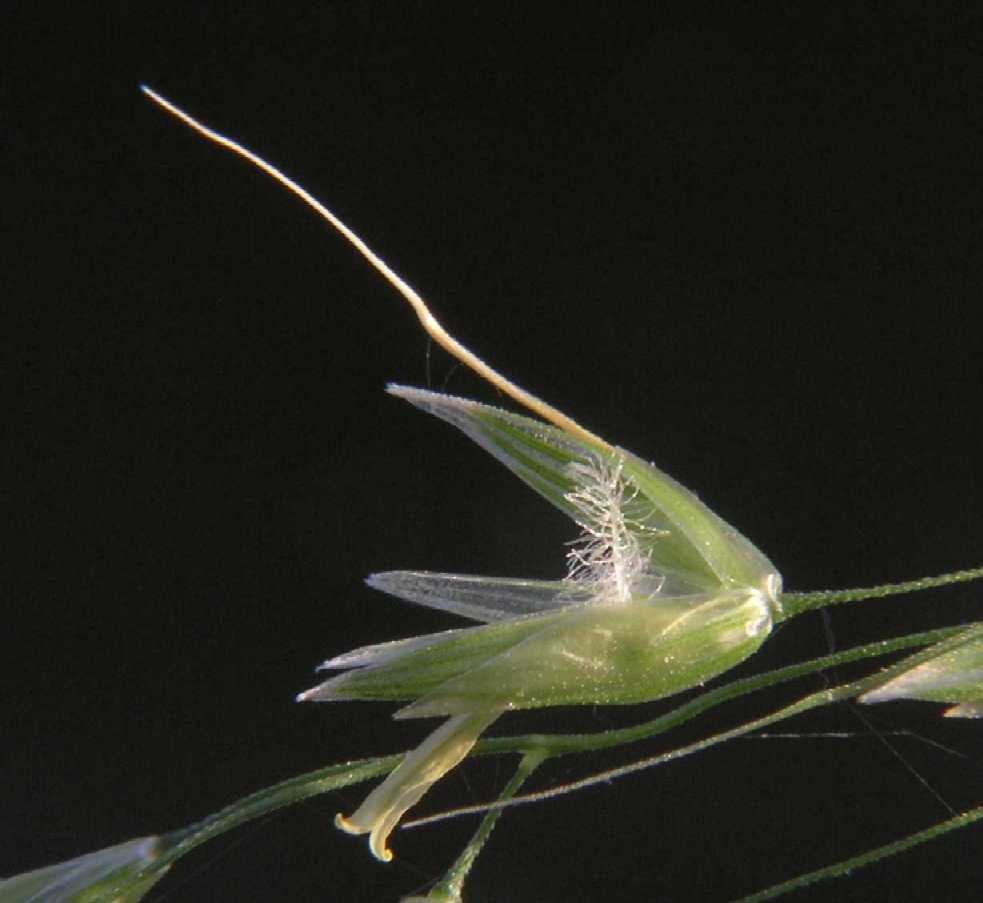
point(797, 603)
point(848, 865)
point(561, 744)
point(448, 890)
point(812, 701)
point(263, 802)
point(536, 748)
point(177, 843)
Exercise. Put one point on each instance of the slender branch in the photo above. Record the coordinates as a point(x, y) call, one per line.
point(848, 865)
point(797, 603)
point(561, 744)
point(448, 889)
point(813, 700)
point(263, 802)
point(537, 748)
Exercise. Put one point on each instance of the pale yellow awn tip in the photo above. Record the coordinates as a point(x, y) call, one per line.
point(429, 322)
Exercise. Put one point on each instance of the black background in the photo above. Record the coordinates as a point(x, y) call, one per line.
point(746, 246)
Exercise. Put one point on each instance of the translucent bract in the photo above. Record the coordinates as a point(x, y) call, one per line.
point(953, 676)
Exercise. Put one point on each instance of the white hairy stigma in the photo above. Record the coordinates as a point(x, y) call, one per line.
point(607, 557)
